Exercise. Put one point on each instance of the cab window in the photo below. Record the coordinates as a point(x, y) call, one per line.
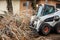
point(48, 9)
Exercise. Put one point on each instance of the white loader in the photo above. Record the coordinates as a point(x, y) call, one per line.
point(47, 18)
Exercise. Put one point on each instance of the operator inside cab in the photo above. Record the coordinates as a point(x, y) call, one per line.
point(45, 10)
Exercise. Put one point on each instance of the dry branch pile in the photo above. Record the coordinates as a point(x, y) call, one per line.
point(15, 27)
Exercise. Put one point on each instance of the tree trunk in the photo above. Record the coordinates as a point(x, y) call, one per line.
point(33, 4)
point(9, 6)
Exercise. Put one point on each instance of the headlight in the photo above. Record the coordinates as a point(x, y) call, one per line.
point(35, 24)
point(33, 18)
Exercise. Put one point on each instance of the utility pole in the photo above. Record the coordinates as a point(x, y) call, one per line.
point(9, 6)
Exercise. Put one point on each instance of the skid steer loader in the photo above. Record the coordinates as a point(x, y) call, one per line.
point(46, 19)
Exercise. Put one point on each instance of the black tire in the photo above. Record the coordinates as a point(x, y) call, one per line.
point(42, 28)
point(57, 28)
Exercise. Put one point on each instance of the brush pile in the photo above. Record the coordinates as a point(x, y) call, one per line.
point(16, 27)
point(12, 27)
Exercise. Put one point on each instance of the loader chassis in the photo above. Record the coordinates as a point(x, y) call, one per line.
point(46, 18)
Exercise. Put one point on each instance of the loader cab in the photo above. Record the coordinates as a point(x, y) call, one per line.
point(45, 10)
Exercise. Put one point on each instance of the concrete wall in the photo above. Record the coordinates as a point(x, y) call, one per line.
point(16, 6)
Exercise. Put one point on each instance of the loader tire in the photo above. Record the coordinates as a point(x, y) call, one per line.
point(44, 29)
point(57, 28)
